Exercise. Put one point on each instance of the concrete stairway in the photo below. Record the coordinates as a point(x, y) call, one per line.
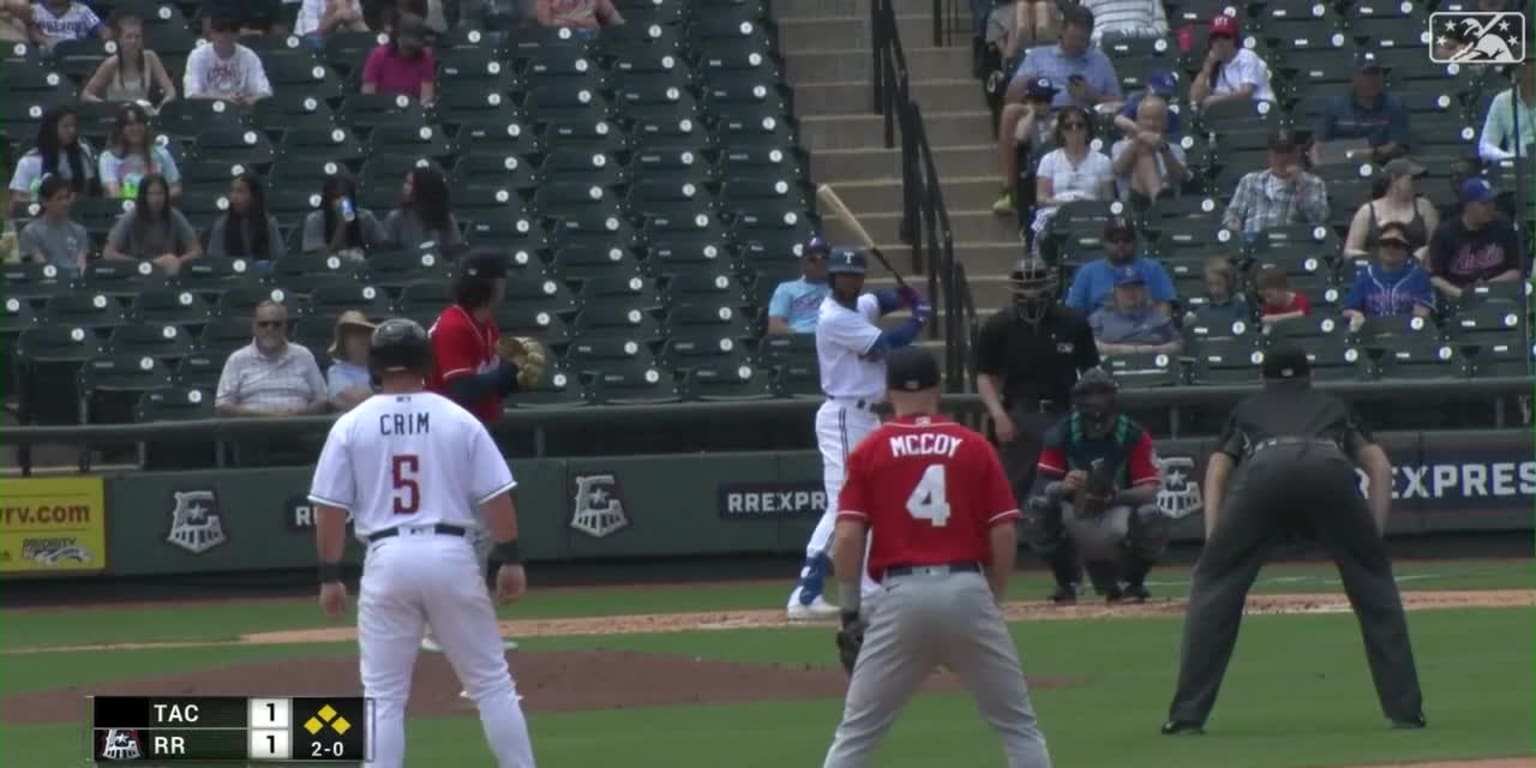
point(828, 52)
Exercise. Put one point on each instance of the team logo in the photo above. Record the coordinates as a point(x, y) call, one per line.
point(1180, 494)
point(65, 549)
point(1477, 37)
point(196, 525)
point(120, 744)
point(599, 507)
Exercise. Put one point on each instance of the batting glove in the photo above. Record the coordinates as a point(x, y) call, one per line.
point(909, 295)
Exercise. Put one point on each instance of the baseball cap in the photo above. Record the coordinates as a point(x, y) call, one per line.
point(485, 263)
point(1041, 87)
point(1162, 82)
point(1366, 61)
point(911, 369)
point(1223, 25)
point(1477, 190)
point(1119, 225)
point(816, 244)
point(1402, 166)
point(1282, 140)
point(1287, 361)
point(1128, 275)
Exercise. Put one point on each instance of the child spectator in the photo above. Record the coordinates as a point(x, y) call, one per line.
point(425, 215)
point(1394, 285)
point(154, 230)
point(133, 72)
point(58, 151)
point(1224, 304)
point(133, 155)
point(54, 238)
point(1277, 301)
point(339, 226)
point(247, 231)
point(403, 65)
point(225, 69)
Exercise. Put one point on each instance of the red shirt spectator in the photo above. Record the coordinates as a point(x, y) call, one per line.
point(403, 65)
point(1276, 299)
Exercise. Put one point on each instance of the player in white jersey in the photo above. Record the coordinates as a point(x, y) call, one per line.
point(850, 349)
point(410, 465)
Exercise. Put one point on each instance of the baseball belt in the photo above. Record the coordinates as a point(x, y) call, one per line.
point(941, 569)
point(442, 529)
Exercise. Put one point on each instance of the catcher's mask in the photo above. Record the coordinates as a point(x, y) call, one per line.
point(1033, 282)
point(1093, 398)
point(400, 344)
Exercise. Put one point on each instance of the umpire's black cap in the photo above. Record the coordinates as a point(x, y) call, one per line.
point(400, 344)
point(1286, 361)
point(911, 369)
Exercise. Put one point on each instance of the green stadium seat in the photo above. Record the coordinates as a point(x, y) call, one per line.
point(223, 335)
point(410, 139)
point(555, 389)
point(211, 278)
point(633, 291)
point(83, 309)
point(111, 385)
point(298, 70)
point(1423, 357)
point(316, 145)
point(162, 342)
point(31, 281)
point(174, 403)
point(233, 142)
point(201, 370)
point(240, 301)
point(710, 320)
point(539, 292)
point(689, 352)
point(366, 111)
point(331, 299)
point(1145, 370)
point(49, 358)
point(506, 169)
point(728, 383)
point(649, 386)
point(674, 253)
point(704, 288)
point(581, 263)
point(587, 356)
point(1335, 358)
point(392, 270)
point(1232, 360)
point(518, 320)
point(286, 111)
point(799, 377)
point(613, 320)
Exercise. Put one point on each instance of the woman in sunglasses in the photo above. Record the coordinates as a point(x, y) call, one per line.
point(1073, 171)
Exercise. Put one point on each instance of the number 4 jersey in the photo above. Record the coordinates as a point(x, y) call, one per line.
point(409, 459)
point(930, 491)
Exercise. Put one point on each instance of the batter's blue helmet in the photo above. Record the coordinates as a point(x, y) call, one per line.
point(846, 261)
point(400, 344)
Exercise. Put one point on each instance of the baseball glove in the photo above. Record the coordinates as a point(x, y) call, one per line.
point(1093, 498)
point(527, 354)
point(850, 640)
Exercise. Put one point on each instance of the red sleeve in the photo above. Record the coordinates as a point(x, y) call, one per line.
point(1301, 304)
point(427, 66)
point(371, 66)
point(1143, 465)
point(455, 350)
point(852, 503)
point(1001, 506)
point(1053, 461)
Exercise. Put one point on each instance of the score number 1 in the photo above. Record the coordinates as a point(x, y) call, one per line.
point(269, 737)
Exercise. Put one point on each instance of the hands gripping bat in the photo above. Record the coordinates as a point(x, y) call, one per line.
point(833, 204)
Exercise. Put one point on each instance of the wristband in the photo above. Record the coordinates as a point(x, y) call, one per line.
point(507, 553)
point(849, 617)
point(330, 573)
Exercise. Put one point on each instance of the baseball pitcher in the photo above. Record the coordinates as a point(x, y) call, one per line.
point(410, 464)
point(850, 350)
point(941, 514)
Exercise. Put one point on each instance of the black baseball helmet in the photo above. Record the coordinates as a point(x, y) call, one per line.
point(847, 261)
point(400, 344)
point(1093, 397)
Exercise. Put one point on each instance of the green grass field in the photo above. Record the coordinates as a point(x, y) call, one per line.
point(1298, 692)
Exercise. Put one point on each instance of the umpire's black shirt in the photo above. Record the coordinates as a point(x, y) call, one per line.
point(1036, 361)
point(1292, 409)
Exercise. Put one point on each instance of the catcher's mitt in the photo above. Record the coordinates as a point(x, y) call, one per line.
point(850, 640)
point(527, 354)
point(1093, 498)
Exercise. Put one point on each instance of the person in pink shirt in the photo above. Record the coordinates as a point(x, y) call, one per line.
point(404, 64)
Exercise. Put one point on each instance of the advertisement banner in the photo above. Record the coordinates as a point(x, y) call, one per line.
point(52, 525)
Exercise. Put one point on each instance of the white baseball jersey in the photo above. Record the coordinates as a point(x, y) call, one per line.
point(415, 459)
point(844, 338)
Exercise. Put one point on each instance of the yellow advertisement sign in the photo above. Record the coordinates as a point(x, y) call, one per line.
point(52, 524)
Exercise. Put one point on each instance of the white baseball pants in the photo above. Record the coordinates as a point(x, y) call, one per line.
point(840, 426)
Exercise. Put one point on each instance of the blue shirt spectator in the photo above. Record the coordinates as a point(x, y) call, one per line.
point(1367, 112)
point(1082, 74)
point(796, 304)
point(1130, 324)
point(1095, 281)
point(1393, 286)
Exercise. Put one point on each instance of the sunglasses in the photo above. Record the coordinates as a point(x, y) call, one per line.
point(270, 323)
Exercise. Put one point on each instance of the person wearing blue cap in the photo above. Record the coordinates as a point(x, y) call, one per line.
point(1130, 324)
point(1478, 246)
point(796, 303)
point(1159, 82)
point(1368, 112)
point(1022, 127)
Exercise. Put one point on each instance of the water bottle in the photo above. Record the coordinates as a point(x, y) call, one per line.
point(348, 211)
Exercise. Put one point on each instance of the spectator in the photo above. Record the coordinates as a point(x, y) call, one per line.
point(1277, 301)
point(588, 15)
point(1095, 281)
point(1280, 195)
point(1006, 26)
point(797, 303)
point(1073, 171)
point(1394, 285)
point(1478, 246)
point(404, 64)
point(425, 215)
point(348, 381)
point(1126, 19)
point(1499, 141)
point(1129, 324)
point(15, 21)
point(58, 151)
point(1160, 82)
point(386, 13)
point(225, 69)
point(1082, 75)
point(1399, 203)
point(250, 17)
point(1147, 164)
point(1230, 71)
point(319, 18)
point(133, 155)
point(339, 226)
point(1367, 113)
point(271, 376)
point(54, 238)
point(1223, 304)
point(246, 230)
point(55, 21)
point(133, 72)
point(1021, 128)
point(154, 230)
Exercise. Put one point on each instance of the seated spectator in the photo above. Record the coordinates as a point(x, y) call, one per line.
point(404, 64)
point(1073, 171)
point(1401, 204)
point(1129, 324)
point(1082, 75)
point(225, 69)
point(796, 304)
point(1498, 141)
point(271, 376)
point(1095, 281)
point(154, 230)
point(577, 14)
point(1008, 25)
point(250, 17)
point(1021, 128)
point(133, 154)
point(348, 381)
point(1230, 71)
point(57, 151)
point(1277, 301)
point(1224, 304)
point(1148, 163)
point(246, 230)
point(339, 227)
point(1126, 19)
point(1161, 83)
point(319, 18)
point(133, 73)
point(1478, 246)
point(1369, 113)
point(1280, 195)
point(15, 21)
point(1393, 286)
point(55, 21)
point(54, 238)
point(425, 215)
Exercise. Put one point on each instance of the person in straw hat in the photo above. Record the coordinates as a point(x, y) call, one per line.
point(347, 381)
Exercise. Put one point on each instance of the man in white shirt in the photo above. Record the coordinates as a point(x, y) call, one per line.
point(225, 69)
point(1230, 71)
point(1127, 18)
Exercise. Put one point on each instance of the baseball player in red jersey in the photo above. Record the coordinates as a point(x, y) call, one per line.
point(943, 515)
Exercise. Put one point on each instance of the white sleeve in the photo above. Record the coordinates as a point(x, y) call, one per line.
point(192, 83)
point(491, 476)
point(851, 329)
point(256, 84)
point(334, 484)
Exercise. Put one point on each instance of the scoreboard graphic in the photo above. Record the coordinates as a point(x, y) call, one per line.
point(153, 730)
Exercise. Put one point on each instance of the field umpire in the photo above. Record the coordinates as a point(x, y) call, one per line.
point(1292, 447)
point(1027, 361)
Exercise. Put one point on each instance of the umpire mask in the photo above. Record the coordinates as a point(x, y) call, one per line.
point(1093, 398)
point(1033, 283)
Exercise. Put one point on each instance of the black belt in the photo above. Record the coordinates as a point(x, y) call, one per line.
point(857, 402)
point(1319, 442)
point(443, 529)
point(968, 566)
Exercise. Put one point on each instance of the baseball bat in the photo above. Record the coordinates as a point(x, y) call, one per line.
point(834, 205)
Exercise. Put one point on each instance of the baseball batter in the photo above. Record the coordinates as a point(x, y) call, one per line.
point(941, 512)
point(850, 349)
point(410, 464)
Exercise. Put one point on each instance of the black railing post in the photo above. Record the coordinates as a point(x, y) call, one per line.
point(877, 49)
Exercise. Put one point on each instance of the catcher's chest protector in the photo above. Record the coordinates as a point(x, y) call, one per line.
point(1114, 448)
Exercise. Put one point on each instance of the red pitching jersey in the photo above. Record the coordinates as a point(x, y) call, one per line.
point(461, 346)
point(930, 491)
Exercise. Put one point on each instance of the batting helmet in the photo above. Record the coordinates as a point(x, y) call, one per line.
point(400, 344)
point(846, 261)
point(815, 244)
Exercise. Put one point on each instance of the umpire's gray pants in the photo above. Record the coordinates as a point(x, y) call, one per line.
point(920, 622)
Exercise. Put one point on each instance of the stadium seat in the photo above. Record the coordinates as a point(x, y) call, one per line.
point(631, 291)
point(288, 110)
point(223, 335)
point(708, 320)
point(686, 353)
point(507, 169)
point(558, 199)
point(579, 263)
point(723, 382)
point(392, 270)
point(211, 278)
point(780, 162)
point(588, 355)
point(511, 232)
point(49, 358)
point(1334, 358)
point(672, 254)
point(669, 197)
point(31, 281)
point(366, 111)
point(234, 143)
point(539, 292)
point(409, 139)
point(1401, 32)
point(1232, 360)
point(297, 70)
point(597, 230)
point(111, 385)
point(240, 302)
point(1313, 326)
point(1203, 323)
point(174, 403)
point(1488, 323)
point(16, 316)
point(160, 341)
point(1419, 358)
point(799, 377)
point(648, 386)
point(463, 104)
point(705, 288)
point(82, 309)
point(612, 320)
point(316, 145)
point(201, 369)
point(347, 51)
point(331, 299)
point(1383, 332)
point(1499, 358)
point(1143, 370)
point(78, 59)
point(555, 389)
point(582, 165)
point(515, 319)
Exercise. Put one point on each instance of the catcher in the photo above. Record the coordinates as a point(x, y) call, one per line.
point(1099, 501)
